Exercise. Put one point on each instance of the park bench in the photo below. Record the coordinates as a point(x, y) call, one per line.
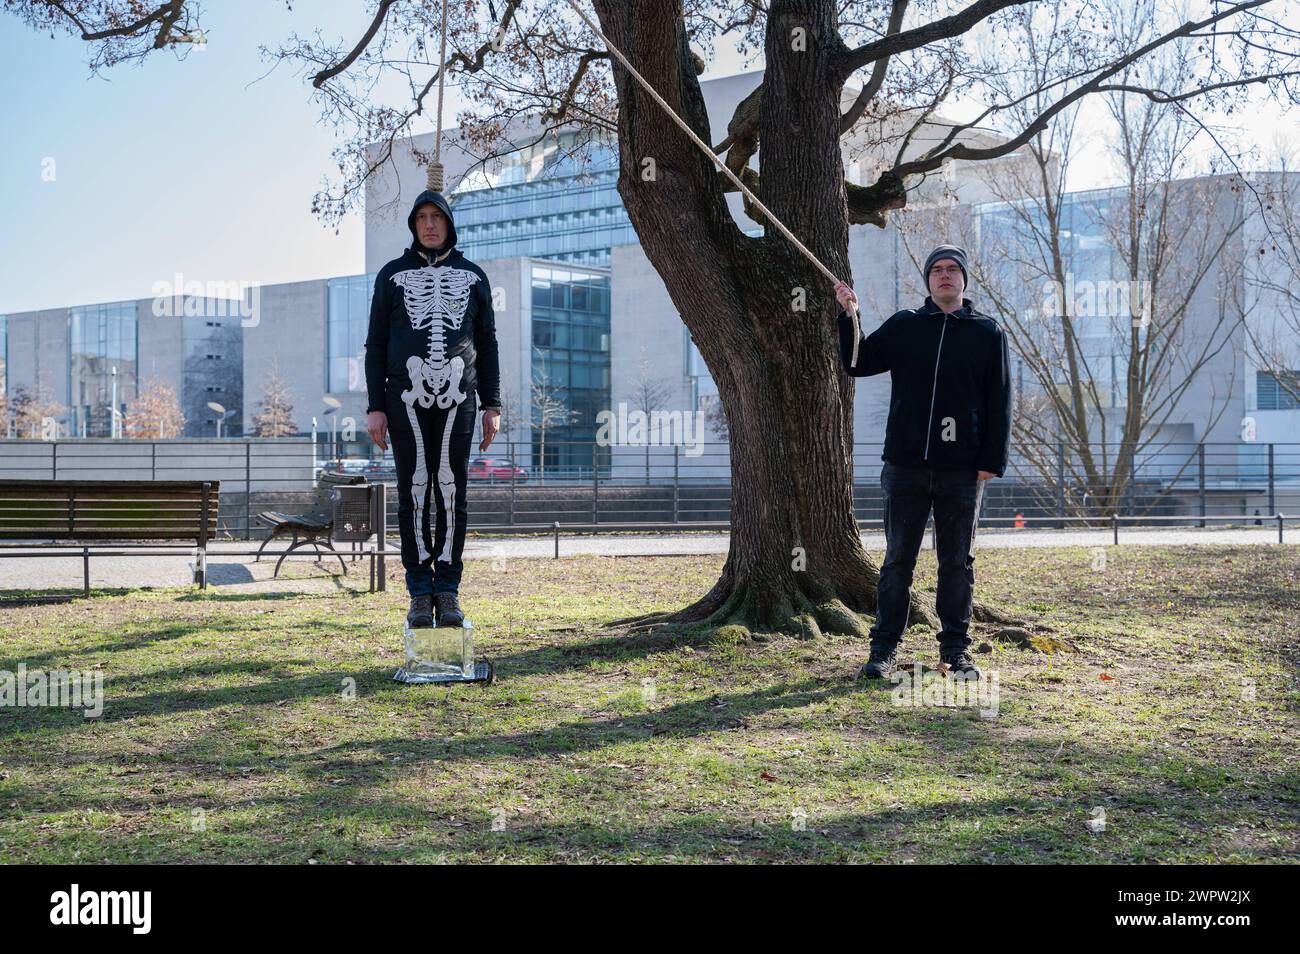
point(310, 528)
point(46, 512)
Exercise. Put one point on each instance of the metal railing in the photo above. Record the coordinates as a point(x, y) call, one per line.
point(596, 487)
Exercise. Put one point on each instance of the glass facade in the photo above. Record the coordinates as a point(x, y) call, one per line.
point(554, 199)
point(348, 322)
point(703, 387)
point(570, 349)
point(4, 356)
point(101, 338)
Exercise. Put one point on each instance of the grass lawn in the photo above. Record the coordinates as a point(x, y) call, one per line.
point(227, 733)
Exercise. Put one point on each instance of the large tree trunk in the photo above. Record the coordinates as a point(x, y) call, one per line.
point(796, 561)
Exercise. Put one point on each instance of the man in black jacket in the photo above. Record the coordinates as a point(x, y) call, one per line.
point(947, 432)
point(431, 344)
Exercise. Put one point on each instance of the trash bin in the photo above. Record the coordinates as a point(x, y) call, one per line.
point(353, 514)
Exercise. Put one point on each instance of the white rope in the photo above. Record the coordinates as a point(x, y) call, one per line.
point(434, 178)
point(853, 311)
point(442, 73)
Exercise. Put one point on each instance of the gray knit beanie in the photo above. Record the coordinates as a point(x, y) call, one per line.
point(958, 255)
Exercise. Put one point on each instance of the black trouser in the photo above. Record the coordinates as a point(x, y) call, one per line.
point(431, 450)
point(910, 492)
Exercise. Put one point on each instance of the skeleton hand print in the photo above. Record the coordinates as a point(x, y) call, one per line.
point(436, 299)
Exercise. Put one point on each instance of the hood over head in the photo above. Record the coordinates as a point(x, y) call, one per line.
point(427, 197)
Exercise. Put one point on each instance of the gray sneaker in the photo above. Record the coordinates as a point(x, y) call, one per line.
point(881, 665)
point(421, 611)
point(959, 664)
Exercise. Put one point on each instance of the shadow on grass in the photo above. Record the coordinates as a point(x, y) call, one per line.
point(162, 634)
point(30, 597)
point(553, 660)
point(212, 596)
point(45, 720)
point(548, 660)
point(1187, 808)
point(63, 657)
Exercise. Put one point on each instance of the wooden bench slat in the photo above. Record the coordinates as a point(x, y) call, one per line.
point(109, 509)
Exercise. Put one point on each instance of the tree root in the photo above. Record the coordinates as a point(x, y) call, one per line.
point(742, 615)
point(642, 618)
point(1039, 642)
point(987, 613)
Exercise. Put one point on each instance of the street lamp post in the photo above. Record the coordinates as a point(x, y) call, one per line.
point(333, 404)
point(112, 419)
point(221, 415)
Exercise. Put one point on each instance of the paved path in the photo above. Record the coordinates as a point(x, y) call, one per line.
point(238, 573)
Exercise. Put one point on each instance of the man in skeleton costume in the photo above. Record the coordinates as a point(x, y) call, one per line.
point(431, 346)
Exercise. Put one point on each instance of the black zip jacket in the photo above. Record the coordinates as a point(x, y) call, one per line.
point(432, 336)
point(950, 405)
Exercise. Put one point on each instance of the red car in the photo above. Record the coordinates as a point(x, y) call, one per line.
point(493, 469)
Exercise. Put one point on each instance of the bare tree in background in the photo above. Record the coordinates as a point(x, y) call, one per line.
point(715, 415)
point(512, 415)
point(155, 412)
point(30, 408)
point(276, 417)
point(650, 392)
point(1118, 301)
point(548, 406)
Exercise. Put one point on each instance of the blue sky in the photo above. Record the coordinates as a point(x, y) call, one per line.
point(196, 166)
point(204, 167)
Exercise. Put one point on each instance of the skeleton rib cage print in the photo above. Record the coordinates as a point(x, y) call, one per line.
point(436, 298)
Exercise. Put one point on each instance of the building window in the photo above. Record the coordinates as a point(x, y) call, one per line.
point(703, 388)
point(570, 349)
point(348, 322)
point(1277, 391)
point(544, 202)
point(102, 352)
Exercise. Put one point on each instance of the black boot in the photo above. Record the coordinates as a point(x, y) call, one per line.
point(959, 663)
point(882, 663)
point(421, 611)
point(449, 613)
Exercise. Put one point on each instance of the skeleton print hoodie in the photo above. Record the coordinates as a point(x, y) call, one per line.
point(432, 337)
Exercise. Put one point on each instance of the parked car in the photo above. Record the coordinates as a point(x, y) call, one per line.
point(348, 467)
point(493, 469)
point(381, 471)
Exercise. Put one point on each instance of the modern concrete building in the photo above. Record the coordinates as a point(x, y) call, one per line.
point(77, 360)
point(585, 320)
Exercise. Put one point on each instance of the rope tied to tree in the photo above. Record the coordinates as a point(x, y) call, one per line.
point(722, 166)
